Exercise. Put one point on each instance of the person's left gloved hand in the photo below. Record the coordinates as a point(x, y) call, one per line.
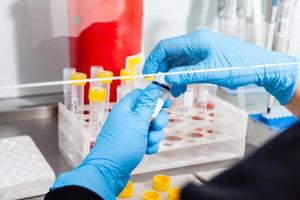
point(125, 137)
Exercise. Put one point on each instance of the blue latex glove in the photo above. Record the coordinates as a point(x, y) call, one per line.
point(207, 50)
point(124, 139)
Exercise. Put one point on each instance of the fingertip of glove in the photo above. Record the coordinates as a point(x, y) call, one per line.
point(161, 120)
point(152, 90)
point(145, 70)
point(174, 79)
point(167, 103)
point(152, 149)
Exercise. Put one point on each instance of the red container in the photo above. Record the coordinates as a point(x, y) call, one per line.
point(105, 33)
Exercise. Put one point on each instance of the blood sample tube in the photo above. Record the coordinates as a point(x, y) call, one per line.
point(67, 87)
point(77, 93)
point(94, 74)
point(106, 85)
point(127, 84)
point(202, 98)
point(97, 98)
point(188, 100)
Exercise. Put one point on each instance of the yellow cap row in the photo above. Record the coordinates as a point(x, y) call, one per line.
point(77, 76)
point(105, 74)
point(173, 194)
point(97, 94)
point(82, 76)
point(160, 183)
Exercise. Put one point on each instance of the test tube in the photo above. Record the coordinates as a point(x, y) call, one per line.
point(94, 74)
point(127, 84)
point(164, 88)
point(285, 23)
point(227, 16)
point(188, 99)
point(144, 82)
point(67, 87)
point(202, 98)
point(77, 93)
point(106, 84)
point(212, 92)
point(97, 98)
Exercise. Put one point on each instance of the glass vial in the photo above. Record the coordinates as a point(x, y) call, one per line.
point(164, 88)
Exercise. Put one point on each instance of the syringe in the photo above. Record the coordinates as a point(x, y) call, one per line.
point(106, 85)
point(97, 98)
point(77, 93)
point(67, 87)
point(127, 84)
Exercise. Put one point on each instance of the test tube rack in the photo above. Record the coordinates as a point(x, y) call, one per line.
point(190, 138)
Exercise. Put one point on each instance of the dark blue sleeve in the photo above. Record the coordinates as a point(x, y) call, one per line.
point(72, 193)
point(273, 172)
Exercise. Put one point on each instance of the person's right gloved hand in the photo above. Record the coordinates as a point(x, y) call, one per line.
point(127, 134)
point(207, 50)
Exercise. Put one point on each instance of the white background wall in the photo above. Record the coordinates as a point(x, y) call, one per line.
point(34, 44)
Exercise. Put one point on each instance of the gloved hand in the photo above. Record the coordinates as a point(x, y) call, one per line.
point(207, 50)
point(125, 137)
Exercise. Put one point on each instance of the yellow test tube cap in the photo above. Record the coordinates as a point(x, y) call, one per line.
point(149, 78)
point(127, 72)
point(151, 195)
point(97, 94)
point(127, 191)
point(78, 76)
point(174, 194)
point(133, 61)
point(105, 74)
point(161, 182)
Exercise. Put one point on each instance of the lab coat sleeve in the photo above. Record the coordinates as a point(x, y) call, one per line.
point(72, 193)
point(273, 172)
